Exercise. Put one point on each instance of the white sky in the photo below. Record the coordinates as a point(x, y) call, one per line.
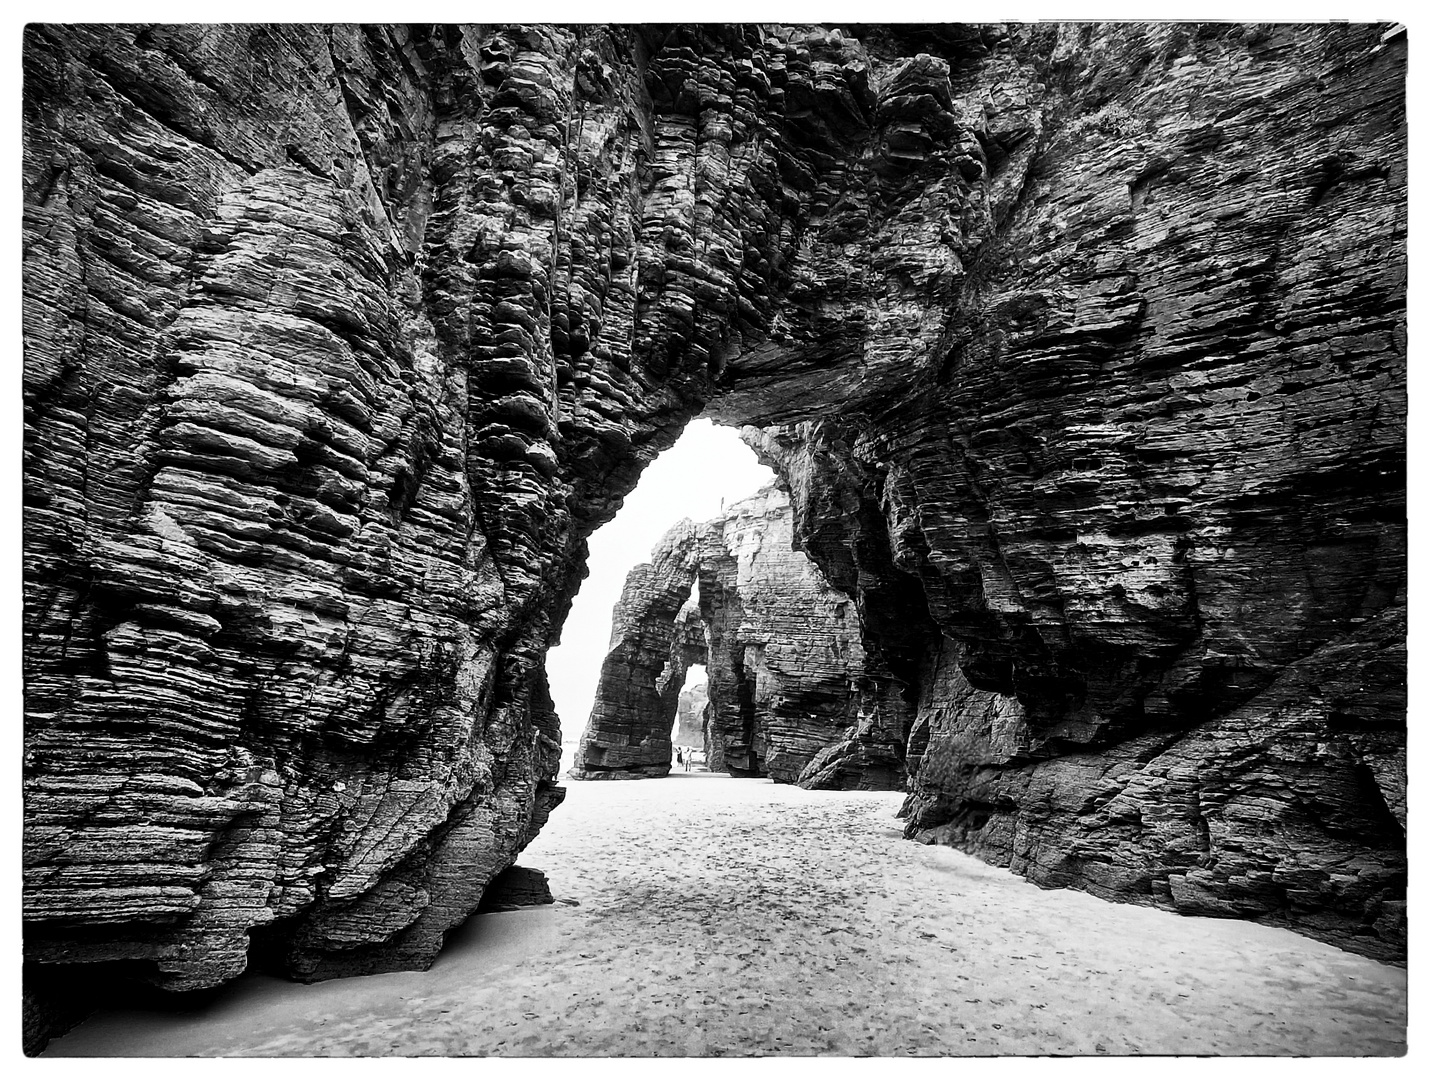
point(690, 479)
point(695, 676)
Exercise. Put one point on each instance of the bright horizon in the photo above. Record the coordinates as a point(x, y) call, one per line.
point(708, 468)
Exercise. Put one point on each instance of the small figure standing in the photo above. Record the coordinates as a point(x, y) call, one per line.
point(679, 756)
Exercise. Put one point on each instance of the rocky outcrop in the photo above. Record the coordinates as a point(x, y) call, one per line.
point(690, 717)
point(652, 645)
point(1085, 346)
point(1151, 495)
point(788, 674)
point(787, 677)
point(1266, 812)
point(291, 545)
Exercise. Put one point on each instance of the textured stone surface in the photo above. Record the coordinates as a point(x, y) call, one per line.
point(1151, 494)
point(1086, 348)
point(261, 597)
point(787, 676)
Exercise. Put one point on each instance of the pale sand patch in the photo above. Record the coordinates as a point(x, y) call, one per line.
point(725, 917)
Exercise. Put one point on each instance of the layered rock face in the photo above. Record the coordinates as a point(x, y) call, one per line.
point(1082, 351)
point(788, 683)
point(1151, 496)
point(789, 678)
point(286, 600)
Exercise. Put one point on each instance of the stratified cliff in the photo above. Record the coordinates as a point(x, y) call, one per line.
point(1086, 346)
point(1151, 495)
point(792, 693)
point(286, 601)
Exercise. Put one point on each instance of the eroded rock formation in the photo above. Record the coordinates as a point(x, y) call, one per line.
point(690, 717)
point(654, 640)
point(1087, 348)
point(787, 675)
point(1151, 497)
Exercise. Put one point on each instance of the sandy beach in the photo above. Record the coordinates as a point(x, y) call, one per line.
point(723, 917)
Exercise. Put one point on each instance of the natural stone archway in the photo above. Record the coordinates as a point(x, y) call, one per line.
point(628, 734)
point(691, 716)
point(787, 676)
point(688, 650)
point(1081, 351)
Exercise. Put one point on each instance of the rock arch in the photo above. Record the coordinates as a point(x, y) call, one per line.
point(1084, 367)
point(628, 734)
point(692, 718)
point(787, 675)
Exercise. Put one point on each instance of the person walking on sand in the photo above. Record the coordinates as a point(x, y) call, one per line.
point(679, 759)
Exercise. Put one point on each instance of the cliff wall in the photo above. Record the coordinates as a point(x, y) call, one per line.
point(1152, 496)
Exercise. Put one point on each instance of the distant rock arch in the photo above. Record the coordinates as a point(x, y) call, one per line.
point(792, 692)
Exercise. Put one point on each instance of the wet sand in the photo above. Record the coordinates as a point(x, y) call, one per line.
point(736, 917)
